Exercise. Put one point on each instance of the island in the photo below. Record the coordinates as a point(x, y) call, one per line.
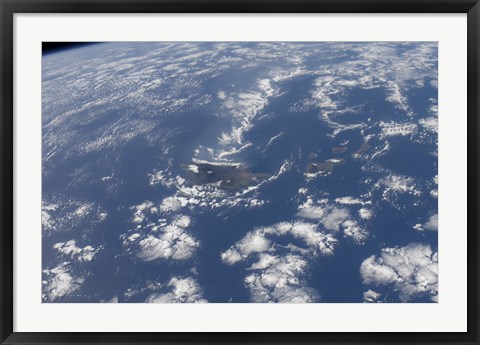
point(231, 177)
point(339, 149)
point(364, 148)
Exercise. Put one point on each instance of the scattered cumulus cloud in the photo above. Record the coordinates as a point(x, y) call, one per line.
point(279, 279)
point(279, 273)
point(350, 200)
point(62, 214)
point(221, 95)
point(70, 248)
point(393, 187)
point(256, 241)
point(311, 212)
point(365, 213)
point(181, 290)
point(172, 242)
point(165, 179)
point(335, 218)
point(412, 271)
point(60, 282)
point(430, 124)
point(371, 296)
point(431, 224)
point(391, 129)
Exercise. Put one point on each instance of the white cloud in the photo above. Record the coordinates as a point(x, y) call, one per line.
point(142, 210)
point(279, 279)
point(349, 200)
point(400, 184)
point(335, 218)
point(173, 88)
point(256, 241)
point(253, 242)
point(365, 213)
point(62, 214)
point(48, 222)
point(158, 237)
point(182, 221)
point(70, 248)
point(353, 230)
point(396, 97)
point(393, 186)
point(432, 223)
point(231, 256)
point(133, 237)
point(211, 196)
point(272, 139)
point(302, 191)
point(144, 205)
point(412, 271)
point(182, 290)
point(316, 240)
point(311, 212)
point(161, 177)
point(241, 108)
point(83, 210)
point(418, 227)
point(193, 168)
point(173, 203)
point(60, 283)
point(371, 296)
point(390, 129)
point(430, 124)
point(114, 299)
point(173, 242)
point(221, 95)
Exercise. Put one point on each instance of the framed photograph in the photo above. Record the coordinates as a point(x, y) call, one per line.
point(239, 172)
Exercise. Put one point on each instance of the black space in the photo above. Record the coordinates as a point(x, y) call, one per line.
point(54, 47)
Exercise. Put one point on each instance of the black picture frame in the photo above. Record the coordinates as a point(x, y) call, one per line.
point(10, 7)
